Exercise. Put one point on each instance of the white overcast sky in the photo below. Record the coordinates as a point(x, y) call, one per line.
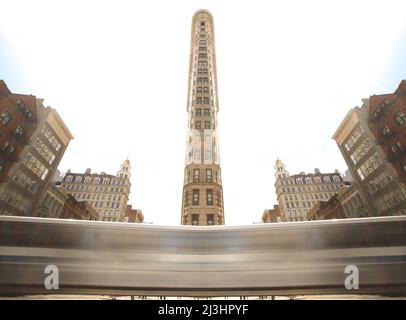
point(288, 72)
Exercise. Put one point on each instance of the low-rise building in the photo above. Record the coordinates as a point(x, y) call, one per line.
point(133, 215)
point(324, 210)
point(78, 210)
point(271, 215)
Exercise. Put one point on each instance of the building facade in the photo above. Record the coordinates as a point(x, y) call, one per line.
point(324, 210)
point(18, 120)
point(107, 194)
point(78, 210)
point(387, 122)
point(133, 215)
point(202, 197)
point(376, 180)
point(23, 193)
point(352, 203)
point(297, 194)
point(271, 215)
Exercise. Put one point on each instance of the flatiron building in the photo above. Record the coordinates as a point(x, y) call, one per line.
point(202, 200)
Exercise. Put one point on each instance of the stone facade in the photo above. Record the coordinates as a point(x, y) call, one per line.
point(202, 199)
point(297, 194)
point(107, 194)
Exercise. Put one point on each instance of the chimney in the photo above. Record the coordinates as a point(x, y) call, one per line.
point(88, 171)
point(317, 171)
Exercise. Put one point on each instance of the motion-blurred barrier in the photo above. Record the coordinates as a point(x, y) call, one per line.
point(95, 257)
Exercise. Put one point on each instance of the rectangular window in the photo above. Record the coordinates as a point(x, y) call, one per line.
point(210, 219)
point(197, 155)
point(195, 197)
point(209, 197)
point(198, 112)
point(209, 175)
point(207, 124)
point(195, 219)
point(199, 100)
point(198, 125)
point(399, 118)
point(206, 112)
point(206, 100)
point(196, 175)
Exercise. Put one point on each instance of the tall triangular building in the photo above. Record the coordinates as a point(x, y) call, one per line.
point(202, 201)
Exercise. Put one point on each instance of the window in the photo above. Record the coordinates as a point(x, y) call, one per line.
point(195, 219)
point(199, 100)
point(209, 197)
point(206, 100)
point(206, 112)
point(43, 150)
point(198, 112)
point(354, 137)
point(386, 132)
point(19, 131)
point(361, 151)
point(327, 179)
point(209, 175)
point(5, 118)
point(205, 90)
point(78, 179)
point(207, 124)
point(207, 155)
point(51, 138)
point(399, 118)
point(196, 175)
point(202, 42)
point(195, 197)
point(210, 219)
point(198, 125)
point(317, 179)
point(308, 180)
point(202, 56)
point(369, 166)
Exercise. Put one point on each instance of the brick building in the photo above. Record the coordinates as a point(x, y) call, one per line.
point(324, 210)
point(271, 215)
point(78, 210)
point(381, 190)
point(387, 122)
point(18, 120)
point(22, 194)
point(133, 215)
